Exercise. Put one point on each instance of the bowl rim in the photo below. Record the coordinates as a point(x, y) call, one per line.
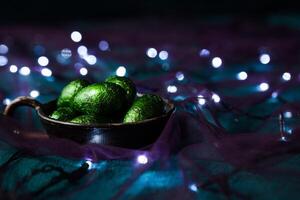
point(170, 109)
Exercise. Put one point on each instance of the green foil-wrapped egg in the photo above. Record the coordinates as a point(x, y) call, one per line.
point(69, 91)
point(126, 84)
point(145, 107)
point(100, 99)
point(63, 114)
point(84, 119)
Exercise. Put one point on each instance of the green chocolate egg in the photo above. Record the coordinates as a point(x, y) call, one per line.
point(126, 84)
point(145, 107)
point(69, 91)
point(63, 114)
point(100, 99)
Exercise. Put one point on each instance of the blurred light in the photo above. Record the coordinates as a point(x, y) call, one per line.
point(264, 58)
point(13, 68)
point(121, 71)
point(289, 130)
point(66, 53)
point(216, 62)
point(204, 53)
point(46, 72)
point(34, 93)
point(216, 98)
point(151, 52)
point(193, 187)
point(6, 101)
point(242, 76)
point(25, 71)
point(201, 100)
point(3, 49)
point(286, 76)
point(89, 163)
point(43, 61)
point(82, 51)
point(263, 87)
point(142, 159)
point(3, 60)
point(83, 71)
point(103, 45)
point(163, 55)
point(172, 89)
point(179, 76)
point(91, 59)
point(288, 114)
point(76, 36)
point(274, 94)
point(283, 138)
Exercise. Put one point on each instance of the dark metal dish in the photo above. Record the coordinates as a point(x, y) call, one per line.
point(129, 135)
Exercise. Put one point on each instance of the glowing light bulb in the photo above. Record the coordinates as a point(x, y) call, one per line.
point(103, 45)
point(83, 71)
point(3, 60)
point(43, 61)
point(242, 76)
point(193, 187)
point(216, 62)
point(34, 93)
point(76, 36)
point(142, 159)
point(46, 72)
point(216, 98)
point(265, 58)
point(121, 71)
point(163, 55)
point(172, 89)
point(25, 71)
point(286, 76)
point(204, 53)
point(151, 53)
point(201, 100)
point(66, 53)
point(13, 68)
point(263, 87)
point(179, 76)
point(3, 49)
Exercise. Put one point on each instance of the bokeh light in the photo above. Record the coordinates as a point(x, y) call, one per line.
point(179, 76)
point(201, 99)
point(3, 49)
point(263, 87)
point(76, 36)
point(3, 61)
point(121, 71)
point(265, 58)
point(13, 68)
point(25, 71)
point(193, 187)
point(82, 51)
point(142, 159)
point(83, 71)
point(34, 93)
point(163, 55)
point(46, 72)
point(43, 61)
point(288, 114)
point(66, 53)
point(103, 45)
point(216, 62)
point(91, 59)
point(204, 53)
point(172, 89)
point(216, 98)
point(151, 52)
point(242, 76)
point(6, 101)
point(286, 76)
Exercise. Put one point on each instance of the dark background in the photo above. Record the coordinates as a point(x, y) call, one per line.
point(55, 11)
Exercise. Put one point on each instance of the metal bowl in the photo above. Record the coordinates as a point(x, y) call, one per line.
point(128, 135)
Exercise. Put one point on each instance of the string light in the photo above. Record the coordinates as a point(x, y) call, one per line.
point(76, 36)
point(242, 76)
point(201, 100)
point(46, 72)
point(172, 89)
point(179, 76)
point(3, 49)
point(34, 93)
point(3, 60)
point(121, 71)
point(163, 55)
point(103, 45)
point(83, 71)
point(263, 87)
point(216, 62)
point(204, 53)
point(286, 76)
point(216, 98)
point(6, 101)
point(25, 71)
point(193, 187)
point(142, 159)
point(151, 52)
point(43, 61)
point(13, 68)
point(265, 58)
